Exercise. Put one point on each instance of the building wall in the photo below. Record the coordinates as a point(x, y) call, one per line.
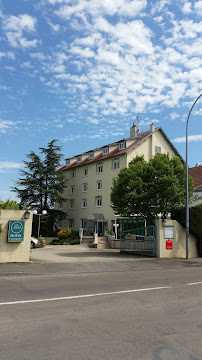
point(197, 198)
point(179, 241)
point(146, 148)
point(159, 140)
point(91, 180)
point(14, 252)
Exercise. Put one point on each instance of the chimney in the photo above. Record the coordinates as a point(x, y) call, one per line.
point(134, 131)
point(152, 127)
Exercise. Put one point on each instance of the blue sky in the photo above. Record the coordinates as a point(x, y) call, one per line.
point(81, 71)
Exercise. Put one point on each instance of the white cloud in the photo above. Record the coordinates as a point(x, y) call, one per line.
point(95, 136)
point(81, 8)
point(5, 125)
point(15, 26)
point(190, 138)
point(198, 7)
point(38, 56)
point(4, 88)
point(174, 116)
point(70, 138)
point(186, 9)
point(54, 27)
point(158, 6)
point(86, 53)
point(94, 121)
point(9, 165)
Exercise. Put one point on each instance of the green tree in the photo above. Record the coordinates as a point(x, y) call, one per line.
point(41, 185)
point(9, 205)
point(149, 188)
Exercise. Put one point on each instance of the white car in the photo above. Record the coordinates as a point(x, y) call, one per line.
point(34, 243)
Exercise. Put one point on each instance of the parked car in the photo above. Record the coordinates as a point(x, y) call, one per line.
point(34, 243)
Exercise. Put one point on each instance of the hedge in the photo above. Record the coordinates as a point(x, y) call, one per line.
point(195, 222)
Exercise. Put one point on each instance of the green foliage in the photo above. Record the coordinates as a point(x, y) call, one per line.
point(65, 242)
point(149, 188)
point(64, 234)
point(0, 229)
point(41, 185)
point(195, 223)
point(9, 205)
point(74, 234)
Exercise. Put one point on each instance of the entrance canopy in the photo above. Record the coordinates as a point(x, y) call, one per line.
point(95, 223)
point(96, 217)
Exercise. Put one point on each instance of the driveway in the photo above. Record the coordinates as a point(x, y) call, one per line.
point(81, 258)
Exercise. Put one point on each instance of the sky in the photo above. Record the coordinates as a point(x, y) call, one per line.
point(82, 71)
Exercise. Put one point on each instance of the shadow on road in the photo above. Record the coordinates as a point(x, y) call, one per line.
point(100, 254)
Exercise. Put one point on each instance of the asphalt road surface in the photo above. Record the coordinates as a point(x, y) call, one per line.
point(117, 308)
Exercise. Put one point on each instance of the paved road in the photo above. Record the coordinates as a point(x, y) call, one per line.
point(105, 306)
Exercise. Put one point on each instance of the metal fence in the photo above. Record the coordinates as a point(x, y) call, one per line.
point(141, 241)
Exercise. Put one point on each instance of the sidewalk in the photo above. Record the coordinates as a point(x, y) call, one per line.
point(64, 259)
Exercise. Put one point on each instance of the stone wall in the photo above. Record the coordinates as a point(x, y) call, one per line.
point(15, 252)
point(178, 242)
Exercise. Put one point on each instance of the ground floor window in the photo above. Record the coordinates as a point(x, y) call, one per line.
point(71, 223)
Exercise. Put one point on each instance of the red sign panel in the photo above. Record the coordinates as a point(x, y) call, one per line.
point(169, 244)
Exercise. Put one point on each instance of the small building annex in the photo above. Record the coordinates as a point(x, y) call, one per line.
point(90, 177)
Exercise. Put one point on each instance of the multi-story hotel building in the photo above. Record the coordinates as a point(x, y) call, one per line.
point(90, 177)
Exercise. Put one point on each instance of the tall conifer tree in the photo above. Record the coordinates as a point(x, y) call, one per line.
point(40, 185)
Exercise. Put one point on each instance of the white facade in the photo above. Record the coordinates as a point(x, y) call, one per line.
point(90, 178)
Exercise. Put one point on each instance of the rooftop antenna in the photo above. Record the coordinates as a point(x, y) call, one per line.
point(137, 122)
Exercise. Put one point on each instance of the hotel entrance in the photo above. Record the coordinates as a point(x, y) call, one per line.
point(95, 223)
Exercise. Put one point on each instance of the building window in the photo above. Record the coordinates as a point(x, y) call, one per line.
point(105, 150)
point(99, 185)
point(71, 223)
point(91, 155)
point(85, 187)
point(71, 204)
point(116, 164)
point(99, 168)
point(122, 145)
point(84, 203)
point(83, 225)
point(85, 172)
point(67, 162)
point(72, 189)
point(79, 158)
point(98, 201)
point(157, 150)
point(73, 174)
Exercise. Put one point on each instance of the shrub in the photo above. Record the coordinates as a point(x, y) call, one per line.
point(74, 234)
point(64, 234)
point(65, 242)
point(195, 225)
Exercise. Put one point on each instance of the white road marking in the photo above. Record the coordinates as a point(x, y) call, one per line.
point(83, 296)
point(196, 283)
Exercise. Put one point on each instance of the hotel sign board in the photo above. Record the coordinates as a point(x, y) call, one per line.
point(168, 232)
point(16, 231)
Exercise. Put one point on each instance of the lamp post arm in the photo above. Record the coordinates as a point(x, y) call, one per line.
point(187, 188)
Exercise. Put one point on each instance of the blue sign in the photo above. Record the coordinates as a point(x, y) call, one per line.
point(16, 231)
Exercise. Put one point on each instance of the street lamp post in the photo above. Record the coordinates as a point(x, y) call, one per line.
point(187, 188)
point(44, 212)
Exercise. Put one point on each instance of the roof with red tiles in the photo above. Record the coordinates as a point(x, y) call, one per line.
point(196, 174)
point(116, 152)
